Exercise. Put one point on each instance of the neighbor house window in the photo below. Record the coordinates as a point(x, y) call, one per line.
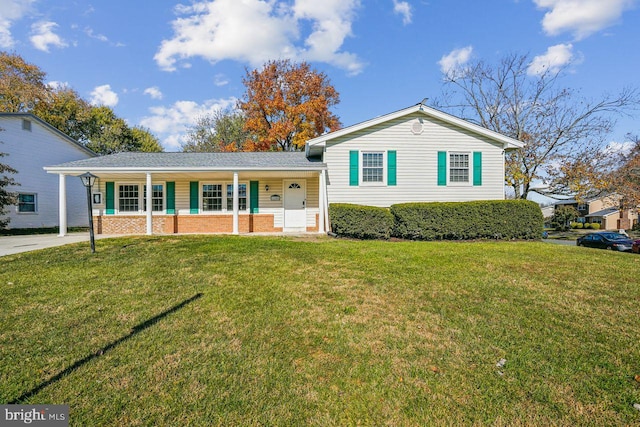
point(27, 203)
point(458, 167)
point(242, 197)
point(582, 207)
point(212, 197)
point(128, 198)
point(157, 198)
point(372, 167)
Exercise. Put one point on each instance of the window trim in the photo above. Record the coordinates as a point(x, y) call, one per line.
point(469, 181)
point(35, 204)
point(223, 210)
point(384, 167)
point(141, 198)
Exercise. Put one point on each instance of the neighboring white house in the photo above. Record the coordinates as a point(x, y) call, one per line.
point(413, 155)
point(31, 143)
point(417, 154)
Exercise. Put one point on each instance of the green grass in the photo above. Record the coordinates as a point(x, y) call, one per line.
point(284, 331)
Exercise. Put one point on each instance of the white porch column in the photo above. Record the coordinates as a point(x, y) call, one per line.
point(62, 205)
point(321, 203)
point(149, 205)
point(325, 191)
point(235, 203)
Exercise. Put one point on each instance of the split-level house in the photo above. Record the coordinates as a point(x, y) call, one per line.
point(417, 154)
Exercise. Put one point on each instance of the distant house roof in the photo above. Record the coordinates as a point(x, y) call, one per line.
point(182, 162)
point(314, 146)
point(50, 128)
point(603, 212)
point(566, 202)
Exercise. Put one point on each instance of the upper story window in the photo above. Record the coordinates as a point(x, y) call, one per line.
point(372, 166)
point(26, 125)
point(458, 167)
point(27, 203)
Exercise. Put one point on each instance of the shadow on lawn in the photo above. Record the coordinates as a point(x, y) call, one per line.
point(135, 330)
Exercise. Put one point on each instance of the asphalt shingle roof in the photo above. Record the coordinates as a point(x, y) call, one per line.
point(213, 161)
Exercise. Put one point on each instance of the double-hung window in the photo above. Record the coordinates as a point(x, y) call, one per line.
point(27, 203)
point(128, 198)
point(373, 166)
point(459, 167)
point(242, 197)
point(212, 197)
point(157, 198)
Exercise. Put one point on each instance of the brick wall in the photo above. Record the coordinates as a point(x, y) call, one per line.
point(169, 224)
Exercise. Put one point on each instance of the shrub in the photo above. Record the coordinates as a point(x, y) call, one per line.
point(577, 225)
point(361, 222)
point(492, 219)
point(595, 226)
point(586, 226)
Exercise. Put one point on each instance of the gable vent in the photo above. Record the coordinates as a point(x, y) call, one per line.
point(417, 127)
point(26, 125)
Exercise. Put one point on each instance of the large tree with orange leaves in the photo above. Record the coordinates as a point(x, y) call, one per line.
point(286, 104)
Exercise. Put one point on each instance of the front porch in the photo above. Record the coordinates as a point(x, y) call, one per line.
point(202, 198)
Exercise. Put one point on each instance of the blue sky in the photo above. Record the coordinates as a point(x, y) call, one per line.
point(162, 63)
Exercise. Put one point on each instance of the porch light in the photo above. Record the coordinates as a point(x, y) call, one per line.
point(88, 179)
point(266, 188)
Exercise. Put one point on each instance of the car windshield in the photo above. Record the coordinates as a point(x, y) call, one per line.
point(614, 236)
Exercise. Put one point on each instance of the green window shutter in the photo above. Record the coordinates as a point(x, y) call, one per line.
point(442, 168)
point(391, 167)
point(477, 168)
point(254, 197)
point(171, 197)
point(353, 167)
point(193, 196)
point(110, 198)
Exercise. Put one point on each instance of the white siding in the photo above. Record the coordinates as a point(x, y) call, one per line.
point(417, 164)
point(28, 152)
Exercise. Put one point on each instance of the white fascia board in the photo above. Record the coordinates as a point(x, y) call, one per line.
point(79, 170)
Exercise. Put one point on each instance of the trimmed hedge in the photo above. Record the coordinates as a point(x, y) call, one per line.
point(361, 222)
point(491, 219)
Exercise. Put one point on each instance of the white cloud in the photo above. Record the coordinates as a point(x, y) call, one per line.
point(101, 37)
point(172, 123)
point(154, 92)
point(622, 148)
point(553, 60)
point(11, 11)
point(43, 36)
point(220, 80)
point(455, 59)
point(256, 31)
point(103, 95)
point(402, 8)
point(580, 17)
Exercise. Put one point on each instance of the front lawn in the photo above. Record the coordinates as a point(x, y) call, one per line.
point(213, 330)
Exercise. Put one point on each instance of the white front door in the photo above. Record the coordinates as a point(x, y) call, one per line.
point(295, 212)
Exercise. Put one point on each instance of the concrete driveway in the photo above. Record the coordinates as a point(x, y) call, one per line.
point(16, 244)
